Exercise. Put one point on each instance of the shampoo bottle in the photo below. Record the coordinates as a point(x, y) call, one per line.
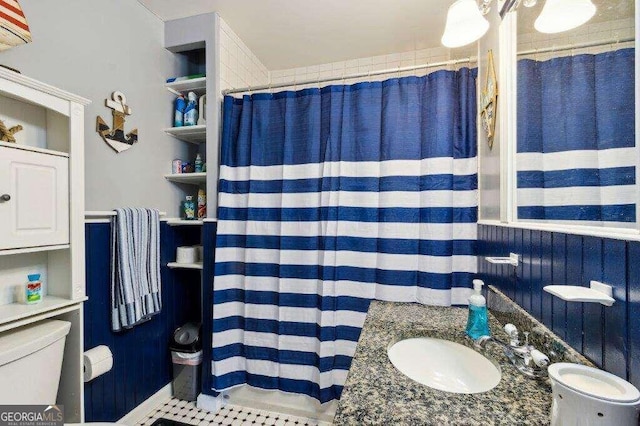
point(191, 111)
point(178, 114)
point(33, 290)
point(478, 322)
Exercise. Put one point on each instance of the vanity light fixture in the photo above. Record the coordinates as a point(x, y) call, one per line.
point(466, 20)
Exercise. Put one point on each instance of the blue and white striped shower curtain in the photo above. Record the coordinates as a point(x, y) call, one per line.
point(576, 157)
point(330, 198)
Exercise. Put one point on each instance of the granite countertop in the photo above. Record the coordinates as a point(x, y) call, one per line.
point(376, 393)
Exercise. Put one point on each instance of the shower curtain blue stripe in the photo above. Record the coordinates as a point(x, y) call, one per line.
point(576, 139)
point(330, 198)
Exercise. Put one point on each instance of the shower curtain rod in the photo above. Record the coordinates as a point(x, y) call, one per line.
point(614, 41)
point(350, 76)
point(468, 60)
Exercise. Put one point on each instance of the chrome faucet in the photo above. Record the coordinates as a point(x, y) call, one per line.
point(527, 359)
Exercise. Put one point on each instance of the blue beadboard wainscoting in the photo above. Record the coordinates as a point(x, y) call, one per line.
point(609, 336)
point(142, 362)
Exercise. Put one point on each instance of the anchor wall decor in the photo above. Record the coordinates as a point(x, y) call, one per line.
point(115, 136)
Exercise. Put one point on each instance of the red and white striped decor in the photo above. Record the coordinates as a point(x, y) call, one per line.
point(14, 29)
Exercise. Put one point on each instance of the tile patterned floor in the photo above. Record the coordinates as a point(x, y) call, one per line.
point(187, 412)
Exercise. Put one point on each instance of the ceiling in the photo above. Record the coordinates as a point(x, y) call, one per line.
point(296, 33)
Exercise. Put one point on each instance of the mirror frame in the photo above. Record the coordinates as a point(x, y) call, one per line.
point(507, 104)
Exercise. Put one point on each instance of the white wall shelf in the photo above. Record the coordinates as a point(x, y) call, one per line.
point(27, 250)
point(191, 134)
point(35, 149)
point(176, 265)
point(597, 292)
point(183, 222)
point(197, 85)
point(190, 178)
point(18, 311)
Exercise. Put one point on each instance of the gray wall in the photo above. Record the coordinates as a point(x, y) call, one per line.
point(93, 48)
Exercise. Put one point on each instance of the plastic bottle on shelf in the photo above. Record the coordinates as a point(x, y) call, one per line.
point(202, 204)
point(191, 112)
point(33, 290)
point(189, 208)
point(178, 116)
point(198, 164)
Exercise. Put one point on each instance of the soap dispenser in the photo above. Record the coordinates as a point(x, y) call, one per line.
point(478, 322)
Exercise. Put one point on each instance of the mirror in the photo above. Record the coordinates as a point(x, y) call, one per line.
point(576, 156)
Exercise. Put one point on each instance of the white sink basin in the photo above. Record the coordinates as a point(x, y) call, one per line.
point(444, 365)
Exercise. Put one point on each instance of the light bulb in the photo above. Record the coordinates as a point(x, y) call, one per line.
point(563, 15)
point(465, 24)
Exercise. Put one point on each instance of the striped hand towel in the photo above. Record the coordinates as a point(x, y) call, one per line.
point(135, 267)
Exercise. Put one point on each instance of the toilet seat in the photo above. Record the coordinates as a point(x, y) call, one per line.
point(594, 383)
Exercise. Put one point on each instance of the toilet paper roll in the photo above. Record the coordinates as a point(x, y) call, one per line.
point(97, 361)
point(186, 255)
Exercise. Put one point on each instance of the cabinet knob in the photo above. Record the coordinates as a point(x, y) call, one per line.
point(5, 197)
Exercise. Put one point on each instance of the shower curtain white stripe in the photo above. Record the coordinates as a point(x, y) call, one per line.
point(578, 195)
point(393, 230)
point(392, 262)
point(284, 371)
point(294, 313)
point(358, 169)
point(290, 343)
point(391, 293)
point(386, 199)
point(578, 159)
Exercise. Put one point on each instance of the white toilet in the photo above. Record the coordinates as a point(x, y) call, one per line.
point(31, 362)
point(587, 396)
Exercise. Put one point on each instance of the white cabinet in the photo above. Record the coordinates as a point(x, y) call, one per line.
point(34, 199)
point(42, 217)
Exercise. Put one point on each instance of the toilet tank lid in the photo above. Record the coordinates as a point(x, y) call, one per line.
point(23, 341)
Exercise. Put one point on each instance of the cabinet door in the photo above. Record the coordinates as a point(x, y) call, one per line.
point(34, 199)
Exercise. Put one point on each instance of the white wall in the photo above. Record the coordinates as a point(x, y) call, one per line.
point(92, 48)
point(239, 66)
